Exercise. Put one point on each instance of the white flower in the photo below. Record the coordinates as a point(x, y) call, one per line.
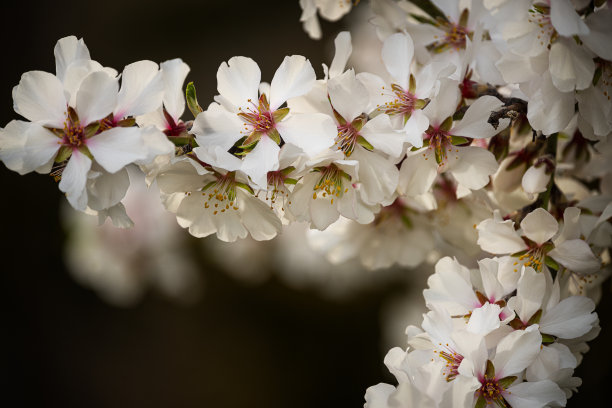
point(214, 202)
point(534, 242)
point(244, 114)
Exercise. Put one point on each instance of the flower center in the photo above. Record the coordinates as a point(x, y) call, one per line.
point(453, 360)
point(440, 141)
point(221, 194)
point(539, 16)
point(490, 389)
point(403, 102)
point(257, 118)
point(330, 183)
point(346, 139)
point(73, 134)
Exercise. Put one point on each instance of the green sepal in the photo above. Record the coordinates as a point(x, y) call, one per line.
point(280, 114)
point(547, 339)
point(180, 140)
point(289, 180)
point(251, 140)
point(425, 144)
point(464, 17)
point(91, 129)
point(339, 117)
point(358, 122)
point(458, 140)
point(481, 402)
point(490, 370)
point(597, 75)
point(507, 381)
point(519, 253)
point(406, 221)
point(244, 187)
point(361, 140)
point(551, 263)
point(127, 122)
point(447, 124)
point(535, 319)
point(63, 154)
point(287, 170)
point(423, 20)
point(421, 103)
point(192, 100)
point(412, 84)
point(274, 135)
point(86, 152)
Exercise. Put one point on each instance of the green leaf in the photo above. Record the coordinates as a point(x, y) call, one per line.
point(192, 100)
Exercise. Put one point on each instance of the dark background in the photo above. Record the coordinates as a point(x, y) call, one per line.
point(240, 346)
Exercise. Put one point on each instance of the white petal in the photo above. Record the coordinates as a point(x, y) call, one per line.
point(576, 255)
point(40, 146)
point(74, 178)
point(115, 148)
point(535, 394)
point(450, 288)
point(380, 134)
point(343, 52)
point(571, 318)
point(180, 177)
point(348, 96)
point(571, 66)
point(600, 36)
point(312, 132)
point(238, 81)
point(474, 123)
point(294, 77)
point(323, 213)
point(217, 157)
point(259, 219)
point(377, 396)
point(67, 51)
point(517, 351)
point(566, 21)
point(484, 319)
point(397, 54)
point(262, 159)
point(12, 140)
point(530, 293)
point(539, 226)
point(415, 127)
point(107, 190)
point(142, 89)
point(445, 103)
point(417, 174)
point(156, 144)
point(174, 73)
point(217, 127)
point(535, 180)
point(40, 97)
point(549, 109)
point(472, 167)
point(499, 237)
point(378, 176)
point(96, 97)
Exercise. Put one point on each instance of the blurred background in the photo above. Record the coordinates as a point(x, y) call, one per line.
point(234, 325)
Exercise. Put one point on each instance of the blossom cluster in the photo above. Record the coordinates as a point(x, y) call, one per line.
point(486, 128)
